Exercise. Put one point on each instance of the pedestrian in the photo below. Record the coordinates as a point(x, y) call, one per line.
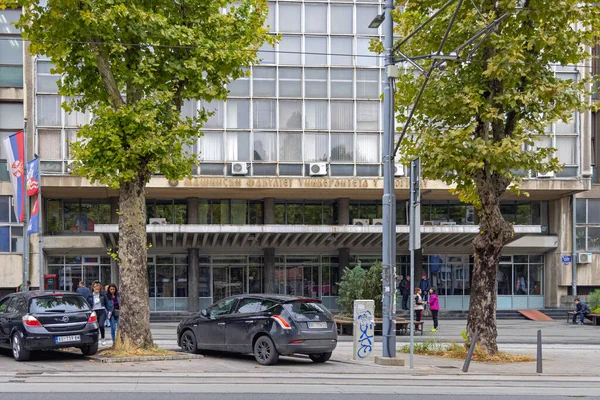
point(402, 290)
point(406, 293)
point(97, 301)
point(113, 306)
point(83, 290)
point(418, 306)
point(24, 287)
point(434, 306)
point(424, 286)
point(582, 310)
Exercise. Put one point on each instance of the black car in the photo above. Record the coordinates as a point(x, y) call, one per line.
point(41, 320)
point(266, 325)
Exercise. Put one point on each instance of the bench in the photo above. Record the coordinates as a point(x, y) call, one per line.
point(345, 325)
point(595, 318)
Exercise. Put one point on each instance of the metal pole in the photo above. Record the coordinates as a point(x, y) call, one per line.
point(470, 353)
point(574, 247)
point(539, 351)
point(414, 242)
point(389, 198)
point(26, 211)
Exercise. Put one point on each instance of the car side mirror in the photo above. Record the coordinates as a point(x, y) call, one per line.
point(204, 313)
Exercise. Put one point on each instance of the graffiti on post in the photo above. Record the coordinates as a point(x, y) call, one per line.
point(365, 341)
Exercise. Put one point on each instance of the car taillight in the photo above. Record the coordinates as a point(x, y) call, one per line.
point(30, 320)
point(282, 322)
point(93, 318)
point(296, 341)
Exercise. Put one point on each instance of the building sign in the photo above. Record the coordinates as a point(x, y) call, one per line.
point(566, 260)
point(291, 183)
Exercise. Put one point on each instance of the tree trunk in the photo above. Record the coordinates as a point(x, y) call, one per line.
point(495, 232)
point(134, 324)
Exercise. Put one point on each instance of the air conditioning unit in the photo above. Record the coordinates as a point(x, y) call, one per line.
point(318, 169)
point(239, 168)
point(158, 221)
point(360, 222)
point(548, 174)
point(447, 223)
point(470, 215)
point(584, 258)
point(399, 170)
point(377, 221)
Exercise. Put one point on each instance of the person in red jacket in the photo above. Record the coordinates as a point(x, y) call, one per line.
point(434, 306)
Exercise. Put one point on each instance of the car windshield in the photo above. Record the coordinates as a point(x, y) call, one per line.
point(54, 304)
point(302, 310)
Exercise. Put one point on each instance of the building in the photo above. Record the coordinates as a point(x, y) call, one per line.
point(288, 189)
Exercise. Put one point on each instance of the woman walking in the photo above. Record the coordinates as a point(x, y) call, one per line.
point(434, 306)
point(113, 307)
point(98, 303)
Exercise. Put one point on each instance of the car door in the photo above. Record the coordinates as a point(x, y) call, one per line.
point(240, 326)
point(4, 332)
point(211, 333)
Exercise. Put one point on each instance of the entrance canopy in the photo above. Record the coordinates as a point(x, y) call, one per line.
point(306, 237)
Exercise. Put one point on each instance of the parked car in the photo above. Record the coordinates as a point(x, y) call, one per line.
point(41, 320)
point(266, 325)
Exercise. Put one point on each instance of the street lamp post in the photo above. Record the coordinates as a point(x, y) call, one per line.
point(389, 197)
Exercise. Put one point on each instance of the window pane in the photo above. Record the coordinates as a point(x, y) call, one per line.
point(316, 114)
point(315, 83)
point(11, 116)
point(569, 128)
point(238, 114)
point(7, 17)
point(318, 46)
point(342, 147)
point(289, 50)
point(580, 239)
point(265, 144)
point(364, 16)
point(71, 137)
point(11, 50)
point(367, 148)
point(5, 208)
point(77, 118)
point(49, 110)
point(341, 83)
point(290, 114)
point(270, 21)
point(367, 84)
point(566, 148)
point(290, 146)
point(593, 239)
point(371, 59)
point(211, 146)
point(239, 87)
point(593, 211)
point(289, 17)
point(341, 19)
point(215, 120)
point(267, 54)
point(367, 115)
point(50, 144)
point(315, 18)
point(264, 114)
point(238, 146)
point(536, 279)
point(342, 115)
point(290, 82)
point(315, 147)
point(239, 211)
point(581, 207)
point(341, 50)
point(4, 239)
point(264, 82)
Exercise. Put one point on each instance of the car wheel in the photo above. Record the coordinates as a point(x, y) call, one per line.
point(265, 352)
point(320, 358)
point(90, 349)
point(188, 342)
point(19, 351)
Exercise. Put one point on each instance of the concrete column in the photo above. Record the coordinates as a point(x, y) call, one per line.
point(343, 211)
point(192, 210)
point(114, 208)
point(269, 257)
point(193, 281)
point(269, 211)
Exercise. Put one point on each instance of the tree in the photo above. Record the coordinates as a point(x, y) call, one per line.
point(133, 64)
point(481, 121)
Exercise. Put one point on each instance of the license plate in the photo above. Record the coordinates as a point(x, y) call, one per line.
point(64, 339)
point(317, 325)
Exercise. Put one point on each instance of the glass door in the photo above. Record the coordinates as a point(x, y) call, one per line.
point(228, 280)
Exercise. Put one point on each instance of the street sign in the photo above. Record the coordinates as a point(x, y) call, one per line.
point(566, 260)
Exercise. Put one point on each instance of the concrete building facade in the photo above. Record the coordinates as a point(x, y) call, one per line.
point(287, 191)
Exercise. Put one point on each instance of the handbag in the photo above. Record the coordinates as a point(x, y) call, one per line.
point(116, 313)
point(107, 323)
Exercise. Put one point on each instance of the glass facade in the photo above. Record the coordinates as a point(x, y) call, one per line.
point(11, 50)
point(70, 270)
point(588, 225)
point(11, 230)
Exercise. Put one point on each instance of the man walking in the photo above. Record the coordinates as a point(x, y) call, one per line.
point(582, 310)
point(406, 292)
point(83, 290)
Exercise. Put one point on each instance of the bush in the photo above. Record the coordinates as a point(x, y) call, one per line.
point(358, 284)
point(594, 300)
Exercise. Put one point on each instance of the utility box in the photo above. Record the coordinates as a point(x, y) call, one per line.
point(363, 329)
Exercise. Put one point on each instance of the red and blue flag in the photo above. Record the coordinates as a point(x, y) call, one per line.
point(33, 226)
point(15, 157)
point(33, 177)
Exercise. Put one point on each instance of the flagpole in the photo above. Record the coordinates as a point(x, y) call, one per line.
point(26, 211)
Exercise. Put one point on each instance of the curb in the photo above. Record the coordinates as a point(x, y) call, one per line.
point(147, 358)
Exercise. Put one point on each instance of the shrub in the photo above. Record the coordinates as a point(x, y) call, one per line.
point(358, 284)
point(594, 300)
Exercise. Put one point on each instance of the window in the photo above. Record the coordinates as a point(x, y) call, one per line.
point(367, 84)
point(315, 18)
point(264, 82)
point(238, 114)
point(46, 81)
point(11, 50)
point(239, 87)
point(341, 83)
point(221, 308)
point(364, 16)
point(315, 84)
point(265, 145)
point(247, 306)
point(290, 82)
point(367, 115)
point(316, 50)
point(316, 147)
point(588, 225)
point(290, 114)
point(76, 215)
point(316, 115)
point(211, 146)
point(11, 230)
point(342, 115)
point(365, 57)
point(289, 17)
point(367, 148)
point(341, 19)
point(11, 121)
point(342, 147)
point(215, 119)
point(290, 147)
point(289, 50)
point(49, 111)
point(264, 112)
point(341, 50)
point(237, 146)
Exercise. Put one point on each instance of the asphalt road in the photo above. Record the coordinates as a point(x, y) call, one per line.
point(250, 396)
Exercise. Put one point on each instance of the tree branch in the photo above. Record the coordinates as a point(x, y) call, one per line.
point(110, 84)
